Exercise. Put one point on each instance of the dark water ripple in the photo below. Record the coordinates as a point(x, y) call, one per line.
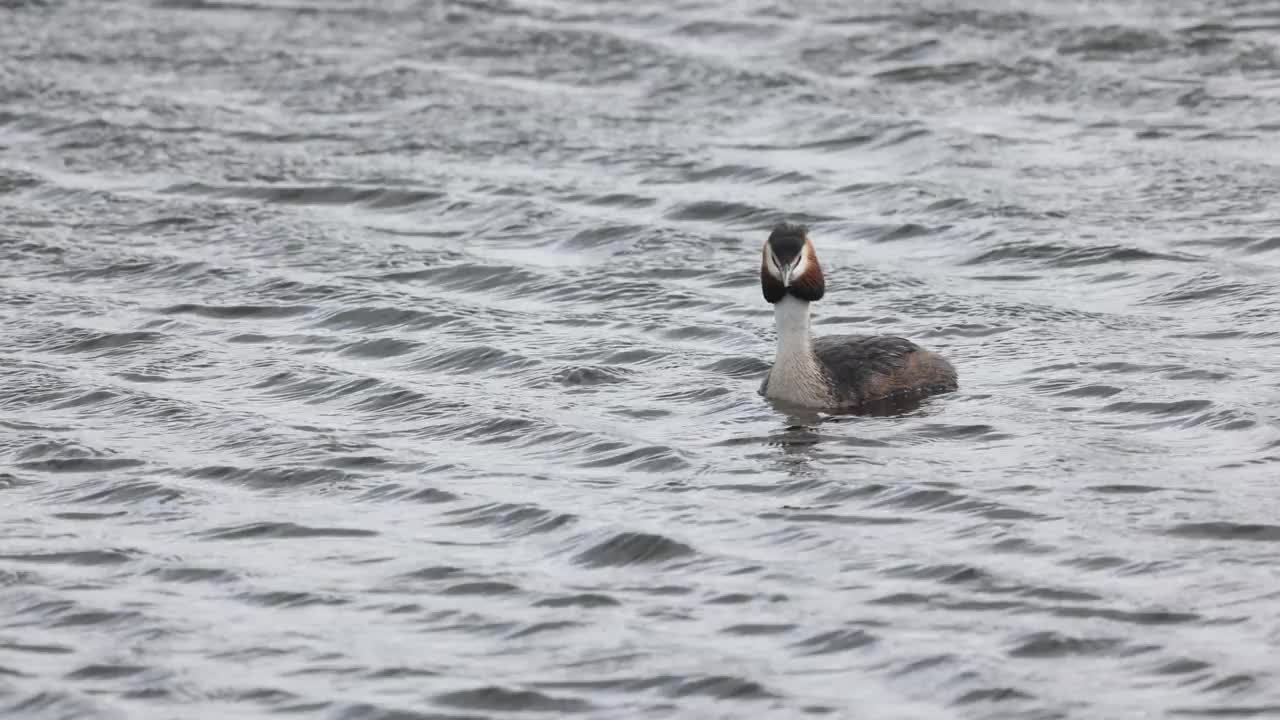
point(397, 360)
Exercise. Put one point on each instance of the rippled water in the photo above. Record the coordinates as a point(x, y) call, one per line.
point(369, 360)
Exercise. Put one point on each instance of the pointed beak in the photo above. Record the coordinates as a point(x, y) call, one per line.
point(788, 271)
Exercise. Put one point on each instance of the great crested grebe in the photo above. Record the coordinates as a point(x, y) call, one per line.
point(842, 373)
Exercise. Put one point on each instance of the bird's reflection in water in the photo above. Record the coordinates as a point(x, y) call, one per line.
point(803, 432)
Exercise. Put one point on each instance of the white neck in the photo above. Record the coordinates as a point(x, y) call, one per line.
point(795, 376)
point(791, 317)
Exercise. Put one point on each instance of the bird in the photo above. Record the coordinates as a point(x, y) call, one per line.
point(835, 373)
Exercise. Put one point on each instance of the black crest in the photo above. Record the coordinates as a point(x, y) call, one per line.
point(787, 240)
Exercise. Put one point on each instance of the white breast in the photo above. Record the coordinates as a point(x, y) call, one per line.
point(795, 376)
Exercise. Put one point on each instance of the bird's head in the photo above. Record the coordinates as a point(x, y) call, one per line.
point(790, 266)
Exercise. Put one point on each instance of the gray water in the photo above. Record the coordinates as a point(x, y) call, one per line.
point(368, 360)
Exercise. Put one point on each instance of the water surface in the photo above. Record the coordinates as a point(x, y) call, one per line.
point(370, 360)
